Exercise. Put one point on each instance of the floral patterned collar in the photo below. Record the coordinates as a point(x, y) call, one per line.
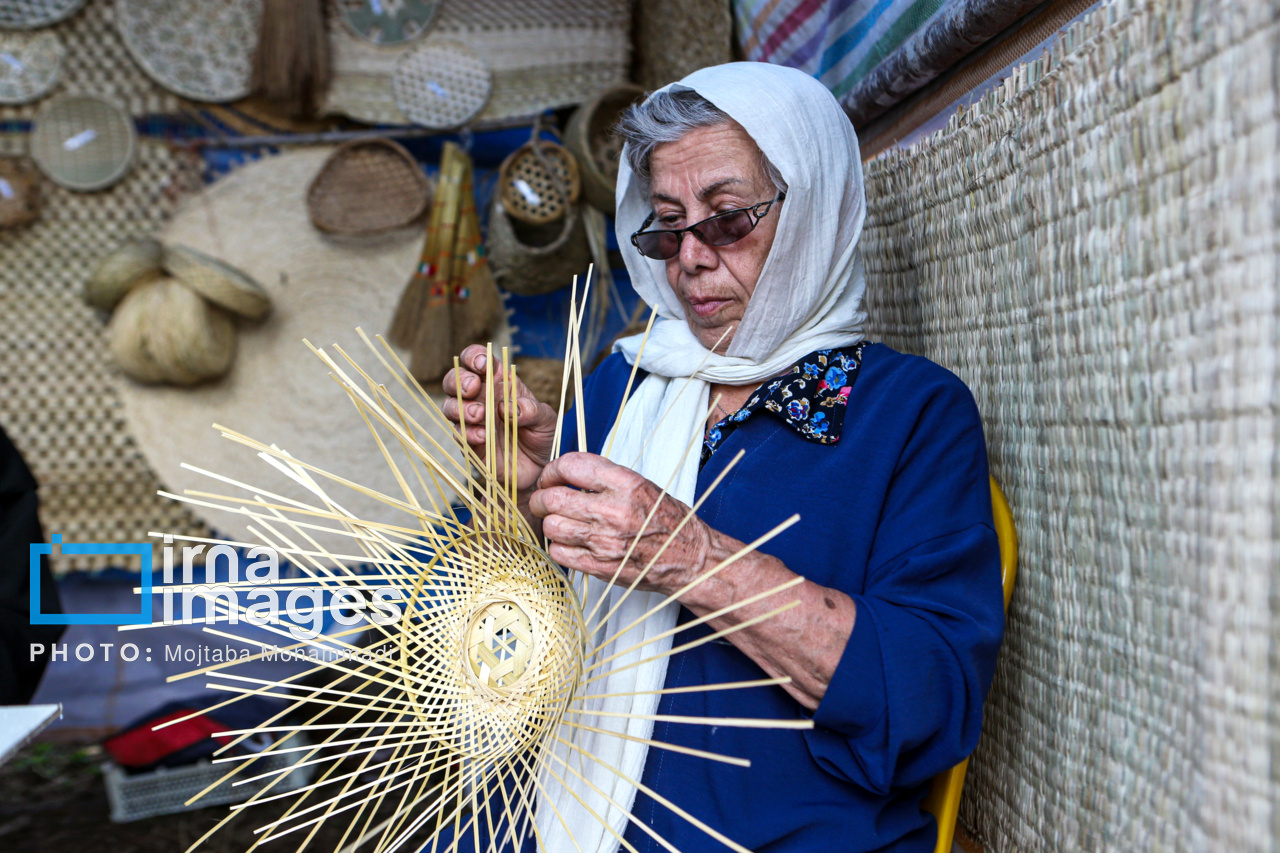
point(811, 398)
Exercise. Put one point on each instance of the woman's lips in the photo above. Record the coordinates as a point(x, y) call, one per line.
point(706, 307)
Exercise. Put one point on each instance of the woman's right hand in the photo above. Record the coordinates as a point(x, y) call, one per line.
point(535, 421)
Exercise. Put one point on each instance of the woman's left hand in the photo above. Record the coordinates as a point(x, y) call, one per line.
point(592, 511)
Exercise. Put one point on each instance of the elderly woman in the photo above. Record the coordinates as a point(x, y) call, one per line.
point(740, 206)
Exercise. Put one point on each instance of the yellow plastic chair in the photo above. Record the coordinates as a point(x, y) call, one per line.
point(943, 801)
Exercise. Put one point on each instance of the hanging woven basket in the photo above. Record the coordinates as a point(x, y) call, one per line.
point(19, 192)
point(534, 259)
point(590, 136)
point(536, 178)
point(367, 186)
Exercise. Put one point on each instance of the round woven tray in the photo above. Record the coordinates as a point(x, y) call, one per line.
point(533, 187)
point(83, 143)
point(19, 192)
point(30, 14)
point(589, 135)
point(201, 49)
point(30, 65)
point(366, 186)
point(535, 259)
point(389, 24)
point(441, 84)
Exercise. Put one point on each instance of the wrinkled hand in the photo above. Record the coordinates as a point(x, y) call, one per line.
point(535, 420)
point(591, 511)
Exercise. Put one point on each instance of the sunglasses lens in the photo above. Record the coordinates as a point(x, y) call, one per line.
point(723, 230)
point(659, 245)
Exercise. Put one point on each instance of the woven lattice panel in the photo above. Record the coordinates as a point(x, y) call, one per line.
point(543, 54)
point(1094, 250)
point(97, 63)
point(57, 399)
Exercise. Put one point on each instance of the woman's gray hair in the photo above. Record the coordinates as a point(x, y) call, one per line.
point(666, 117)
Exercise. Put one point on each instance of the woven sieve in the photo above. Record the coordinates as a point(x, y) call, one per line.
point(441, 84)
point(366, 186)
point(32, 14)
point(30, 65)
point(534, 181)
point(83, 143)
point(199, 49)
point(389, 24)
point(589, 135)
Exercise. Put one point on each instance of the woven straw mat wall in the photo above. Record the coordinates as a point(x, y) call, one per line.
point(57, 399)
point(1093, 249)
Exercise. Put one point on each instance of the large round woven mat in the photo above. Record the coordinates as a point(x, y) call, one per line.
point(30, 65)
point(83, 143)
point(201, 49)
point(30, 14)
point(278, 391)
point(441, 84)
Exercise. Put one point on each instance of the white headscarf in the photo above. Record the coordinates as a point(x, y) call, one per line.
point(808, 297)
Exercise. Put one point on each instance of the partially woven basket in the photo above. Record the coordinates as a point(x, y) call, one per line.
point(367, 186)
point(535, 259)
point(19, 192)
point(590, 136)
point(83, 143)
point(534, 180)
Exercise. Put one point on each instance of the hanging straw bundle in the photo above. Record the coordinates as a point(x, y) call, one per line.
point(291, 63)
point(451, 300)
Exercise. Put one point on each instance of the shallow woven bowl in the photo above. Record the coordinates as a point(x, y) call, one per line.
point(589, 135)
point(367, 186)
point(530, 193)
point(83, 143)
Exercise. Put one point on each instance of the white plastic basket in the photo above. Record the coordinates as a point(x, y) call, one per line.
point(165, 789)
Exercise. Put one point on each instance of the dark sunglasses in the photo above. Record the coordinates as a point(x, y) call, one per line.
point(723, 229)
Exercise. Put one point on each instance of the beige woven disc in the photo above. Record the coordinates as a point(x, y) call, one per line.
point(201, 49)
point(83, 143)
point(441, 84)
point(30, 14)
point(216, 281)
point(30, 65)
point(277, 391)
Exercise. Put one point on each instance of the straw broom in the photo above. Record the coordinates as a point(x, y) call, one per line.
point(497, 654)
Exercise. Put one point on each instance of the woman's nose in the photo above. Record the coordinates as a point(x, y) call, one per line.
point(695, 254)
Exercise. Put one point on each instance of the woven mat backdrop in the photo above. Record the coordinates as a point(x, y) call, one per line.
point(57, 398)
point(543, 53)
point(98, 63)
point(1094, 250)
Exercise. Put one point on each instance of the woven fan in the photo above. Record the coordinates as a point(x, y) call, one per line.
point(493, 669)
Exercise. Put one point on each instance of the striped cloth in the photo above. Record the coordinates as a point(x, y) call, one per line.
point(837, 41)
